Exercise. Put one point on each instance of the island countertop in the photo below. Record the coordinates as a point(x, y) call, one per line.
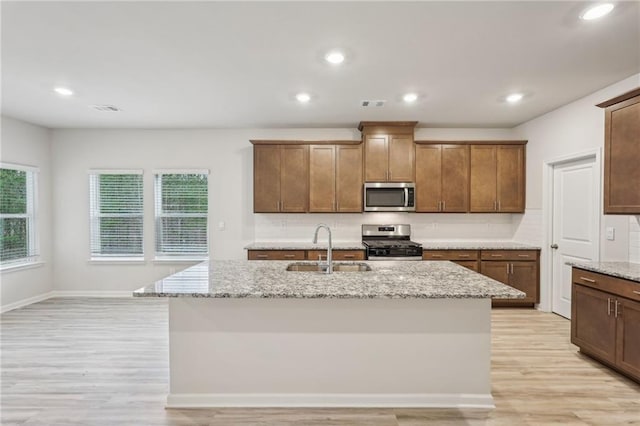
point(386, 280)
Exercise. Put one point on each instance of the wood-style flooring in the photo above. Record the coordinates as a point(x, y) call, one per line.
point(105, 362)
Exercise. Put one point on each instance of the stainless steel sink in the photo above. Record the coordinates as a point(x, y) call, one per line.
point(337, 267)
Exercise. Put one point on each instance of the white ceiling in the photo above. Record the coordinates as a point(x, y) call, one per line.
point(239, 64)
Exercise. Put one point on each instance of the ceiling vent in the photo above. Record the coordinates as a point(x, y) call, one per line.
point(106, 108)
point(373, 104)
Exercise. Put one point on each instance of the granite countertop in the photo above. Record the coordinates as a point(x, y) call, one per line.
point(626, 270)
point(386, 280)
point(476, 245)
point(301, 245)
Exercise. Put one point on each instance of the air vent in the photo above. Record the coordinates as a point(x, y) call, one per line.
point(106, 108)
point(372, 104)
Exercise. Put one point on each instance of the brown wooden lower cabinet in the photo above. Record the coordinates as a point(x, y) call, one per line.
point(604, 324)
point(304, 254)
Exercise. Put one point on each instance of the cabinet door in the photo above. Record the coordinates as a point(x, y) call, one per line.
point(510, 178)
point(428, 178)
point(628, 337)
point(455, 178)
point(622, 156)
point(266, 178)
point(294, 178)
point(593, 325)
point(524, 277)
point(376, 158)
point(401, 158)
point(322, 178)
point(499, 271)
point(483, 179)
point(349, 179)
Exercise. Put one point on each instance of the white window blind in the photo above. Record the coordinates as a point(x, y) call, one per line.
point(181, 201)
point(116, 213)
point(17, 215)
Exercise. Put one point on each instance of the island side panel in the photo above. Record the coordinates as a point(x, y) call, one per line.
point(329, 352)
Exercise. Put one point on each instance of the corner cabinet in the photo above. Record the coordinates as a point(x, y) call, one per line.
point(622, 154)
point(605, 320)
point(280, 178)
point(442, 177)
point(388, 151)
point(497, 177)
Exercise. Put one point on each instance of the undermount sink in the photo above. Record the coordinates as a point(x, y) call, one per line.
point(337, 267)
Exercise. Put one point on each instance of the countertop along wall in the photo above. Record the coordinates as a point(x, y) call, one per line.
point(27, 144)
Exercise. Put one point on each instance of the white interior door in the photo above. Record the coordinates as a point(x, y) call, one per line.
point(576, 223)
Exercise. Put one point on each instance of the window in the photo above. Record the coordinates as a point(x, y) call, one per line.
point(181, 214)
point(116, 214)
point(17, 215)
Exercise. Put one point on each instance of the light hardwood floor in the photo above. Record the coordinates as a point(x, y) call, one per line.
point(105, 362)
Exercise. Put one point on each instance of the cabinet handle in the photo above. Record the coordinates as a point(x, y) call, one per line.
point(495, 206)
point(608, 306)
point(507, 269)
point(499, 208)
point(636, 292)
point(589, 280)
point(512, 269)
point(278, 205)
point(523, 255)
point(616, 314)
point(496, 255)
point(436, 255)
point(289, 256)
point(463, 255)
point(262, 256)
point(349, 256)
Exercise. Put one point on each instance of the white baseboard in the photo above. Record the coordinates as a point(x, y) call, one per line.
point(24, 302)
point(211, 400)
point(39, 298)
point(73, 293)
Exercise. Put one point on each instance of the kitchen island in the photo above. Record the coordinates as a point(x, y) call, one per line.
point(404, 334)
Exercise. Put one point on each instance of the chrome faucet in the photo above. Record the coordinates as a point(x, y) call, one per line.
point(315, 241)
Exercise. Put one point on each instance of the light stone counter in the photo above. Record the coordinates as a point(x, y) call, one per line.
point(301, 245)
point(386, 280)
point(626, 270)
point(476, 245)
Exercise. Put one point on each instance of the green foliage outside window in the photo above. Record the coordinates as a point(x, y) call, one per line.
point(13, 201)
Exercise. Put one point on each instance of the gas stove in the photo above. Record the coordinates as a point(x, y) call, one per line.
point(390, 242)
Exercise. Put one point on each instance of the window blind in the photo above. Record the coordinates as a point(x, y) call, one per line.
point(17, 215)
point(181, 206)
point(116, 213)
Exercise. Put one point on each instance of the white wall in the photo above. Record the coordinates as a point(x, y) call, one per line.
point(228, 155)
point(571, 129)
point(28, 144)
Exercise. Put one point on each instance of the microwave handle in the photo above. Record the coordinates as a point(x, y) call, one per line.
point(406, 197)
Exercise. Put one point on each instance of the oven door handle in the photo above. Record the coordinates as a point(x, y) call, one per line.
point(406, 197)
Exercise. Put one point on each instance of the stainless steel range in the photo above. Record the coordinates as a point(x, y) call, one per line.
point(390, 242)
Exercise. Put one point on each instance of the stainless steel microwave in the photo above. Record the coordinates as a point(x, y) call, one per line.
point(389, 197)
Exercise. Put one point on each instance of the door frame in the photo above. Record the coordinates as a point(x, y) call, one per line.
point(546, 260)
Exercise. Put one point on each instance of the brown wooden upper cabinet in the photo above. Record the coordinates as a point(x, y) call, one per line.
point(442, 177)
point(388, 151)
point(280, 178)
point(622, 154)
point(335, 178)
point(497, 177)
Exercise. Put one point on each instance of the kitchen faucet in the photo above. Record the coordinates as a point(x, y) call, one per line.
point(315, 241)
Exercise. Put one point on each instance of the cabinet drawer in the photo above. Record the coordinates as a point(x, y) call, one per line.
point(449, 254)
point(614, 285)
point(336, 254)
point(276, 254)
point(509, 255)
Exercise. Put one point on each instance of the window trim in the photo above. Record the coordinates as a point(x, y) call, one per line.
point(162, 257)
point(94, 205)
point(33, 236)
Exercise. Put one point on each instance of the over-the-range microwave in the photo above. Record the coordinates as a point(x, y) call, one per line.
point(389, 197)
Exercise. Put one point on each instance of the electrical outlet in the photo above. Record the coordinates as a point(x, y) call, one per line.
point(611, 233)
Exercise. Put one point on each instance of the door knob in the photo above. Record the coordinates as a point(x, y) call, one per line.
point(554, 246)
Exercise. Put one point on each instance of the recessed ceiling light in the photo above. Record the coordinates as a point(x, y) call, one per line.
point(334, 57)
point(303, 97)
point(63, 91)
point(514, 98)
point(410, 97)
point(597, 11)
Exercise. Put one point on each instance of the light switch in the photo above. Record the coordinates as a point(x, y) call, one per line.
point(611, 233)
point(221, 226)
